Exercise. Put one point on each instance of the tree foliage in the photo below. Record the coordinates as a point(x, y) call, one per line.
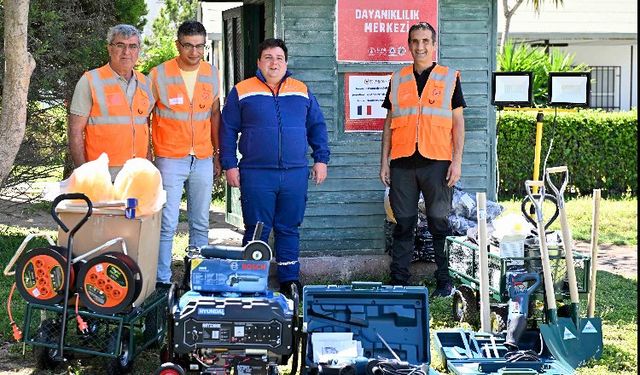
point(160, 46)
point(524, 58)
point(131, 12)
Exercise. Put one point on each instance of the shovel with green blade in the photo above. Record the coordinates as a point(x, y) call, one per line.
point(588, 330)
point(559, 334)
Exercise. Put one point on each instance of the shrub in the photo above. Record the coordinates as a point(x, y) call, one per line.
point(599, 148)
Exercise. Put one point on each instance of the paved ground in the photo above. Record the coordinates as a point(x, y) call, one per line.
point(621, 260)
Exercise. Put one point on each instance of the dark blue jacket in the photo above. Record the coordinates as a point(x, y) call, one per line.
point(275, 127)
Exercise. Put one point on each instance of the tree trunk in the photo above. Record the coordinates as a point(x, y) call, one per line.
point(19, 65)
point(508, 13)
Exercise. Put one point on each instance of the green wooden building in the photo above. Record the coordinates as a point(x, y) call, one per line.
point(345, 214)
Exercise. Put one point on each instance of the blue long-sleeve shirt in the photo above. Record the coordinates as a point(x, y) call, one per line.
point(275, 128)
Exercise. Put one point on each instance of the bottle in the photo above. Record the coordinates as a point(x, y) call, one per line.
point(130, 210)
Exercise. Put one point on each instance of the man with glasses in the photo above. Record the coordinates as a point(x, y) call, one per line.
point(110, 107)
point(278, 118)
point(422, 142)
point(184, 130)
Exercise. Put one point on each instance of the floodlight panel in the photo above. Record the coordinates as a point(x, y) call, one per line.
point(569, 89)
point(512, 88)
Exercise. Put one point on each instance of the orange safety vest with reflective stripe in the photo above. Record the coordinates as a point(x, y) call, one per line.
point(426, 120)
point(114, 127)
point(180, 125)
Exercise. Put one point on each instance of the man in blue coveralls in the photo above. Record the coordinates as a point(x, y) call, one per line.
point(278, 119)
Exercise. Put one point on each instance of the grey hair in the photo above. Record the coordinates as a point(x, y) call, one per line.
point(124, 30)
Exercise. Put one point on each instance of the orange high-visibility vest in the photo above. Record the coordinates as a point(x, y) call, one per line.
point(180, 125)
point(425, 120)
point(114, 127)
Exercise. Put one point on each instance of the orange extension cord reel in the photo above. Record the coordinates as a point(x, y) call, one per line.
point(40, 275)
point(109, 283)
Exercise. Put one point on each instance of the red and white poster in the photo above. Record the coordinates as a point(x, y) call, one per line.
point(377, 30)
point(364, 94)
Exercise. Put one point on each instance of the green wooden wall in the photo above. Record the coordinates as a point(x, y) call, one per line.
point(345, 214)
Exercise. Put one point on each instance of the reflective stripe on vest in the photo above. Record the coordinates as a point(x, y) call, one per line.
point(114, 126)
point(180, 125)
point(425, 120)
point(255, 87)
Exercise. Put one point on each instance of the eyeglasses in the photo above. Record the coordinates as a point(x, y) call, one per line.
point(199, 47)
point(122, 46)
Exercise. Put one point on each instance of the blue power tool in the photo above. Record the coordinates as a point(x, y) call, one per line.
point(520, 286)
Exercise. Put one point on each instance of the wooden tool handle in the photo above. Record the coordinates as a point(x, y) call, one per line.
point(485, 322)
point(544, 251)
point(591, 304)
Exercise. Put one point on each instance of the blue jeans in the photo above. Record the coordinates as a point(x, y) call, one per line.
point(196, 176)
point(276, 197)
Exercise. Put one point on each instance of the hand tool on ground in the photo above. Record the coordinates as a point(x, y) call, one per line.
point(553, 334)
point(519, 294)
point(485, 321)
point(588, 330)
point(528, 209)
point(595, 223)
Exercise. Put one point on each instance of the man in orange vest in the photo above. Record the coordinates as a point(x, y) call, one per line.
point(184, 130)
point(110, 107)
point(422, 144)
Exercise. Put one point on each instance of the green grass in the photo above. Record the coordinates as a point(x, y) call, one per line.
point(618, 222)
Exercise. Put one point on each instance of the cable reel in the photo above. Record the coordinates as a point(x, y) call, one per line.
point(109, 283)
point(40, 275)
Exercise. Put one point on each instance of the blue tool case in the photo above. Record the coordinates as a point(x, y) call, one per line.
point(388, 324)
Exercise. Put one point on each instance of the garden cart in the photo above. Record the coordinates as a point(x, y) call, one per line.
point(51, 280)
point(463, 254)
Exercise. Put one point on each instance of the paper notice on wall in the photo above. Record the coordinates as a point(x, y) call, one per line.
point(366, 94)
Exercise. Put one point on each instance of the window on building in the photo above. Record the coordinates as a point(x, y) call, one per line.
point(605, 87)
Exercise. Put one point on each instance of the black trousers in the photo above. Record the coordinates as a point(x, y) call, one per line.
point(406, 185)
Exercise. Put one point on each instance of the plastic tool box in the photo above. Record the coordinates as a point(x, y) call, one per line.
point(387, 325)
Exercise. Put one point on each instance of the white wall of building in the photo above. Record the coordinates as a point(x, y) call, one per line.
point(617, 55)
point(210, 14)
point(574, 16)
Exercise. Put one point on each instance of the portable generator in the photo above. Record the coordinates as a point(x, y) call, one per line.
point(223, 318)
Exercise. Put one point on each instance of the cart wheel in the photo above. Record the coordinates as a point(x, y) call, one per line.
point(169, 368)
point(48, 332)
point(498, 317)
point(123, 363)
point(465, 307)
point(154, 327)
